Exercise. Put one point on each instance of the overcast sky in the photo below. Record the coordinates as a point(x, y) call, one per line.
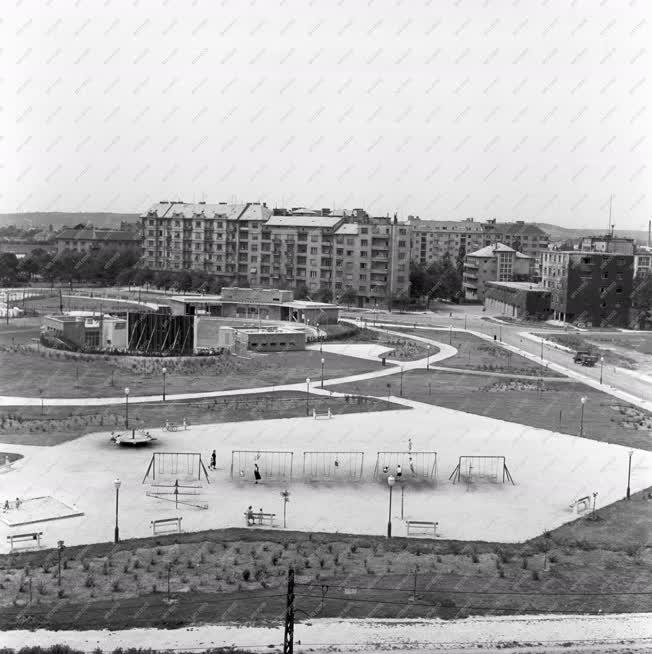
point(508, 109)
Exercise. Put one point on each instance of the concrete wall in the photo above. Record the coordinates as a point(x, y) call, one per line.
point(262, 341)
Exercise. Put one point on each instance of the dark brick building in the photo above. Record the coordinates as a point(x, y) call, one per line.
point(593, 289)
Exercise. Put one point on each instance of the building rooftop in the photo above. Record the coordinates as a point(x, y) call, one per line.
point(304, 221)
point(246, 211)
point(490, 250)
point(521, 286)
point(348, 228)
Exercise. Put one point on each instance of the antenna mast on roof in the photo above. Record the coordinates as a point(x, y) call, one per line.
point(609, 230)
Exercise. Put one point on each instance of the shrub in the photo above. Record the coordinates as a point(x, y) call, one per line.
point(115, 585)
point(246, 574)
point(535, 575)
point(524, 563)
point(475, 558)
point(322, 563)
point(86, 566)
point(354, 548)
point(89, 582)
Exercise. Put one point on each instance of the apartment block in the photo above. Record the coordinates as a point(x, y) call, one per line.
point(496, 262)
point(643, 263)
point(591, 289)
point(433, 239)
point(523, 237)
point(281, 249)
point(90, 240)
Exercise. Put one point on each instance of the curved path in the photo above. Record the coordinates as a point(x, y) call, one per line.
point(445, 352)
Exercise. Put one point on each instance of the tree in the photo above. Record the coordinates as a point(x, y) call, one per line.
point(324, 294)
point(8, 267)
point(516, 244)
point(349, 297)
point(301, 292)
point(642, 300)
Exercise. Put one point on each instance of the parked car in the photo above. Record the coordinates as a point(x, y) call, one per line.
point(585, 358)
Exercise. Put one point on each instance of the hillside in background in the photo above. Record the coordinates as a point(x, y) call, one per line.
point(63, 218)
point(563, 233)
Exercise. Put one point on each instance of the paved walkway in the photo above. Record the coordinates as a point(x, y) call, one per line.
point(445, 352)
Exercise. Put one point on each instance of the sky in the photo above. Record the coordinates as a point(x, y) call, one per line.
point(536, 110)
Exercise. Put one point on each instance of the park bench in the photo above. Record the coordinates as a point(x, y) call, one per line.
point(581, 505)
point(24, 538)
point(415, 527)
point(317, 416)
point(261, 518)
point(165, 525)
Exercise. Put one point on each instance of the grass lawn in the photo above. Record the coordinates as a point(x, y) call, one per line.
point(525, 402)
point(477, 354)
point(405, 349)
point(64, 374)
point(52, 304)
point(239, 575)
point(638, 341)
point(29, 426)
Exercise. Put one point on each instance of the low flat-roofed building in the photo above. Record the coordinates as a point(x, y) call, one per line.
point(88, 330)
point(256, 304)
point(517, 300)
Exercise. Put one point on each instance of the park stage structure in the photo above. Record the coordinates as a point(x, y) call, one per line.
point(273, 465)
point(333, 466)
point(415, 466)
point(481, 468)
point(184, 466)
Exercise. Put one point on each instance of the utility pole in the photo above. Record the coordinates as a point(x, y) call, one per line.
point(288, 638)
point(60, 301)
point(7, 302)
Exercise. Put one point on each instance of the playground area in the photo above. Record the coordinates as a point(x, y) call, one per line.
point(550, 472)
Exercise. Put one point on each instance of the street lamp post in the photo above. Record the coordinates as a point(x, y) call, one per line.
point(307, 395)
point(390, 482)
point(583, 402)
point(428, 359)
point(500, 333)
point(286, 498)
point(601, 368)
point(541, 349)
point(116, 483)
point(629, 472)
point(322, 372)
point(450, 335)
point(60, 548)
point(401, 381)
point(127, 408)
point(164, 371)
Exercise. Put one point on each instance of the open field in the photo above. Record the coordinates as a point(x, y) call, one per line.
point(545, 405)
point(52, 425)
point(56, 373)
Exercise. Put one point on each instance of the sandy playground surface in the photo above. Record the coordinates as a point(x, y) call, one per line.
point(550, 471)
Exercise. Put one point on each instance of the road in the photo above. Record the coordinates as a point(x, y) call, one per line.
point(471, 317)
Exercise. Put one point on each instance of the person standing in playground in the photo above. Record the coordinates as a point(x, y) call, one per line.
point(399, 472)
point(250, 516)
point(256, 473)
point(213, 465)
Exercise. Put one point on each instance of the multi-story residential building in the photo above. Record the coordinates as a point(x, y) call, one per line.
point(281, 249)
point(643, 261)
point(589, 288)
point(88, 240)
point(496, 262)
point(523, 237)
point(433, 239)
point(608, 243)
